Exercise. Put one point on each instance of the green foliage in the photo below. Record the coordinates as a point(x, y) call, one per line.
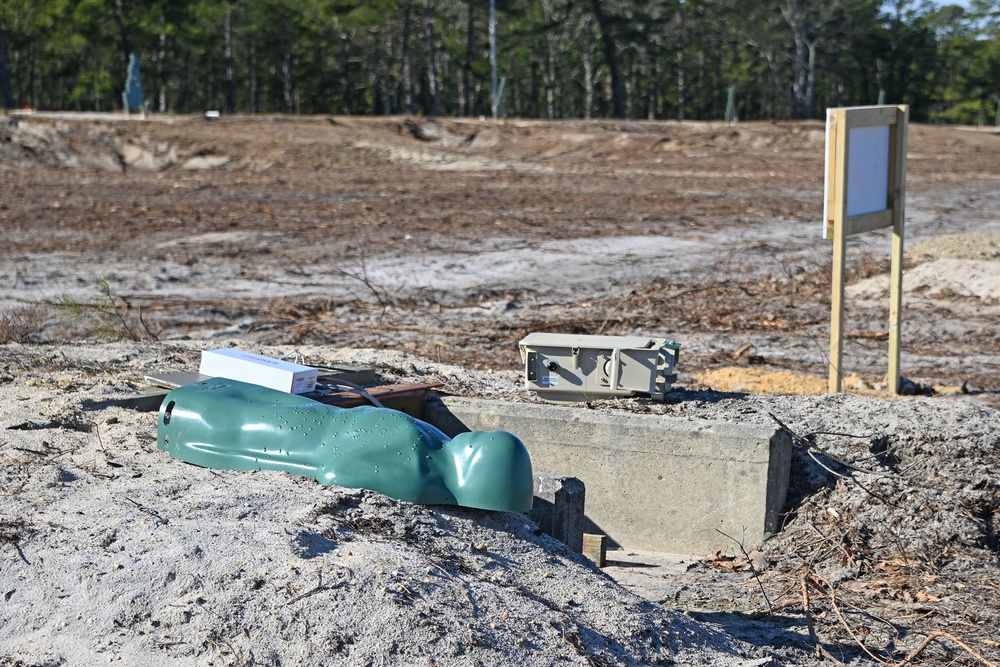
point(108, 316)
point(92, 87)
point(673, 58)
point(968, 112)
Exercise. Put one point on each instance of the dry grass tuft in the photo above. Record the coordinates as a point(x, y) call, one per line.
point(19, 323)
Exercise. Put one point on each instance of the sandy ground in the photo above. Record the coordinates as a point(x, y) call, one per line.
point(372, 240)
point(455, 238)
point(113, 550)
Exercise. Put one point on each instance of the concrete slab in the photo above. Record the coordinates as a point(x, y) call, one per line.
point(652, 482)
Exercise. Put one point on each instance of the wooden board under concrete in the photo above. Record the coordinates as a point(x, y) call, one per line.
point(408, 398)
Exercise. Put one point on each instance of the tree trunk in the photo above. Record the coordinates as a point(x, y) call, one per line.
point(550, 79)
point(432, 64)
point(720, 87)
point(551, 56)
point(652, 88)
point(286, 62)
point(810, 82)
point(183, 85)
point(123, 30)
point(494, 102)
point(681, 68)
point(162, 72)
point(230, 63)
point(799, 77)
point(388, 85)
point(347, 99)
point(584, 36)
point(608, 42)
point(704, 95)
point(409, 88)
point(250, 64)
point(466, 95)
point(805, 19)
point(534, 86)
point(5, 89)
point(630, 86)
point(33, 82)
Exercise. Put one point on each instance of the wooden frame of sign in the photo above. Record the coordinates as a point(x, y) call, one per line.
point(865, 189)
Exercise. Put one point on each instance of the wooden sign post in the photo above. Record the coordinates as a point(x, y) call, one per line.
point(865, 190)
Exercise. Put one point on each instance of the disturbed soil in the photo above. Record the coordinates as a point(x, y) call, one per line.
point(427, 249)
point(110, 549)
point(454, 238)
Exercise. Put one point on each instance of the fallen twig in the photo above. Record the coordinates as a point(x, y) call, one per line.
point(809, 619)
point(31, 451)
point(51, 456)
point(151, 512)
point(809, 447)
point(457, 582)
point(312, 591)
point(947, 635)
point(753, 569)
point(669, 297)
point(816, 580)
point(572, 637)
point(772, 609)
point(100, 441)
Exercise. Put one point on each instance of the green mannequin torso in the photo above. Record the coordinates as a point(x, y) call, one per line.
point(233, 425)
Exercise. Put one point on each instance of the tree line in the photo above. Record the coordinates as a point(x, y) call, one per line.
point(640, 59)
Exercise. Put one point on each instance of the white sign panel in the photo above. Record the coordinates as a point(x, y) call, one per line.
point(867, 169)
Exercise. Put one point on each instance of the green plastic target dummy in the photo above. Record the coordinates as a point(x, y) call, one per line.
point(233, 425)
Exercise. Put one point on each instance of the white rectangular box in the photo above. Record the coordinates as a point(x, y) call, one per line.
point(256, 369)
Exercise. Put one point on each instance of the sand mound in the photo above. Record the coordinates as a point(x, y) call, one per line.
point(959, 265)
point(947, 278)
point(971, 245)
point(25, 144)
point(768, 382)
point(113, 550)
point(761, 381)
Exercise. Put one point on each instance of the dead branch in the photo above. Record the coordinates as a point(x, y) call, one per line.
point(428, 332)
point(753, 569)
point(381, 294)
point(151, 512)
point(320, 586)
point(145, 325)
point(817, 582)
point(112, 301)
point(757, 615)
point(572, 637)
point(458, 584)
point(808, 612)
point(808, 446)
point(631, 293)
point(937, 634)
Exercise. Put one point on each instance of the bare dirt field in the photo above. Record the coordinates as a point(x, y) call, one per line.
point(454, 238)
point(427, 249)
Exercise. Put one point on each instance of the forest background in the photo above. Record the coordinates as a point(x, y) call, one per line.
point(639, 59)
